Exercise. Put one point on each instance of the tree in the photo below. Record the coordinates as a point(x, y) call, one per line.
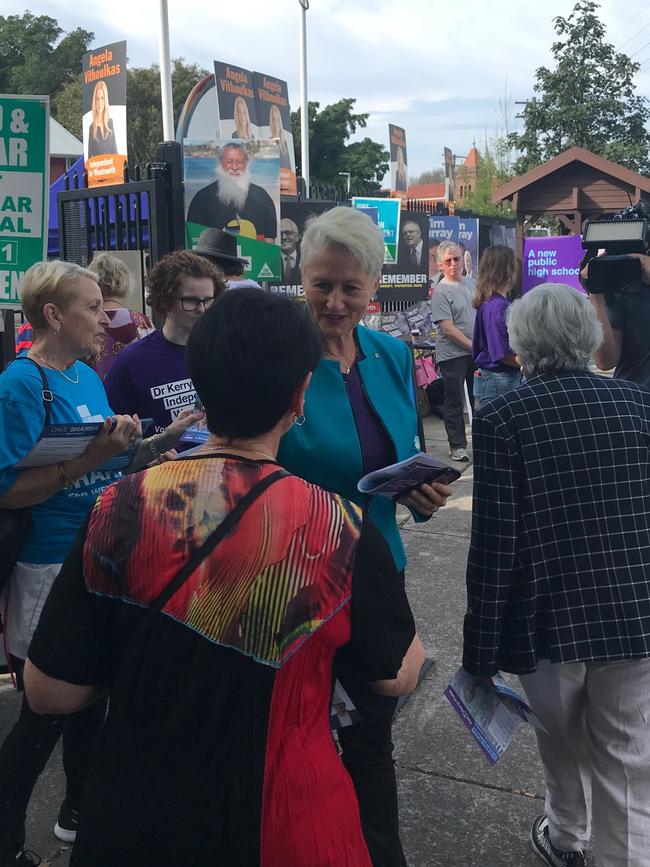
point(67, 107)
point(488, 177)
point(143, 105)
point(588, 100)
point(433, 176)
point(329, 153)
point(144, 111)
point(34, 59)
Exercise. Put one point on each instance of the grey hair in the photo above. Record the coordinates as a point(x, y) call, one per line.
point(112, 275)
point(349, 229)
point(232, 143)
point(553, 327)
point(445, 247)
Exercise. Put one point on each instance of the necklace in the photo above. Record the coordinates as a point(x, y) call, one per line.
point(50, 365)
point(240, 449)
point(345, 367)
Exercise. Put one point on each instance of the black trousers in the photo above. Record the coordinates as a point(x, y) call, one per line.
point(25, 752)
point(367, 753)
point(455, 372)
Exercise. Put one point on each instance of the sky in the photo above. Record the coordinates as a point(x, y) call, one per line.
point(444, 76)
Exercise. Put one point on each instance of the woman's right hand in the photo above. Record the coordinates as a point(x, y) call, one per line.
point(117, 434)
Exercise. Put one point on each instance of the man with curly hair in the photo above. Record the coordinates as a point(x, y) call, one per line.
point(151, 375)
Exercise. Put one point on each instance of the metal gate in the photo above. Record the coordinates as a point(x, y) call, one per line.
point(145, 213)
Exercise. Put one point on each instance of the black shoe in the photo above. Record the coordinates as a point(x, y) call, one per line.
point(66, 826)
point(544, 849)
point(23, 859)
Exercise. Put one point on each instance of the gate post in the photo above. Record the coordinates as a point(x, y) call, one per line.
point(170, 152)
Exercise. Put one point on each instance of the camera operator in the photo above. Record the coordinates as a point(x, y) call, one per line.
point(625, 317)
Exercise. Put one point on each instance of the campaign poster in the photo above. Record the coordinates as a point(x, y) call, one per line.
point(552, 260)
point(503, 235)
point(274, 122)
point(399, 179)
point(234, 185)
point(450, 174)
point(388, 211)
point(295, 216)
point(236, 104)
point(24, 190)
point(103, 97)
point(408, 279)
point(468, 243)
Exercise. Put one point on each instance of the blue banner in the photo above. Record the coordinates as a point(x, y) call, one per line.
point(388, 220)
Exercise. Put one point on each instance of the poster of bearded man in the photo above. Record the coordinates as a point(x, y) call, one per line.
point(234, 185)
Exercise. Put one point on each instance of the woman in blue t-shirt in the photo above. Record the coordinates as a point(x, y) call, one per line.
point(64, 305)
point(497, 368)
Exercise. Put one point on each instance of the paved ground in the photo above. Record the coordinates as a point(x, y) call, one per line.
point(455, 808)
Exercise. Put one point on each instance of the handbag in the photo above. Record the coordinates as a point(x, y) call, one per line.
point(16, 524)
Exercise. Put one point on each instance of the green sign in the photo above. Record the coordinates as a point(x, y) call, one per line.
point(263, 261)
point(24, 188)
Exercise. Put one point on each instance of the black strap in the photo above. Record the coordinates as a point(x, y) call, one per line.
point(46, 395)
point(212, 541)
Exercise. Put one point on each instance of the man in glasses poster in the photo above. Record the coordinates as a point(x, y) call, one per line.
point(234, 185)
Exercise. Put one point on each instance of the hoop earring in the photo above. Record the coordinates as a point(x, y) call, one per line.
point(299, 419)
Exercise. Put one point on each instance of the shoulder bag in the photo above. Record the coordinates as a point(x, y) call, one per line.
point(15, 524)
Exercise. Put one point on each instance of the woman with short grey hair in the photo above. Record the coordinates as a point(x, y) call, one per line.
point(557, 576)
point(553, 327)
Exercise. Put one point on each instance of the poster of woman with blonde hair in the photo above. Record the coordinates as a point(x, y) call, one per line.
point(101, 135)
point(104, 113)
point(243, 127)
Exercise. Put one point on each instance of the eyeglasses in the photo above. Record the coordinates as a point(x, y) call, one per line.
point(189, 304)
point(452, 259)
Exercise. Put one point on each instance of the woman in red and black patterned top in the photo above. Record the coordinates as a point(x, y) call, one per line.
point(217, 748)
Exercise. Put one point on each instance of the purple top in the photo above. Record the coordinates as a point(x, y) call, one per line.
point(490, 344)
point(150, 377)
point(377, 449)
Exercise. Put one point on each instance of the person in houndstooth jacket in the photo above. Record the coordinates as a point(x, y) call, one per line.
point(558, 575)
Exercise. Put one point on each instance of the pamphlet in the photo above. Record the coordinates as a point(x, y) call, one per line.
point(397, 479)
point(198, 433)
point(343, 711)
point(65, 442)
point(490, 709)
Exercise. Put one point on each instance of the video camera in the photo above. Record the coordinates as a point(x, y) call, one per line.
point(623, 233)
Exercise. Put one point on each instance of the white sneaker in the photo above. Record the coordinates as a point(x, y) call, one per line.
point(459, 455)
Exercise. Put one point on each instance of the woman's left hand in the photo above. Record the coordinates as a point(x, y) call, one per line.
point(426, 499)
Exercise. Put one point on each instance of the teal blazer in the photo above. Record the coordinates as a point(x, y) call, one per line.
point(326, 449)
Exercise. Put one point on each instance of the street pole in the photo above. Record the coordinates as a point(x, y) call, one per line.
point(304, 104)
point(165, 75)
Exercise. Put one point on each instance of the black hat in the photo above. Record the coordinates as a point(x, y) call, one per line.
point(219, 244)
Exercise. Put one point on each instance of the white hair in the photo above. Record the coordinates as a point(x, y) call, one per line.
point(553, 327)
point(349, 229)
point(445, 247)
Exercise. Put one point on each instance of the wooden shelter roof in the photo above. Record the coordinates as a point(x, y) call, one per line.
point(576, 180)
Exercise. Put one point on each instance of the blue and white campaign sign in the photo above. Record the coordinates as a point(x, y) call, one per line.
point(443, 229)
point(468, 240)
point(388, 221)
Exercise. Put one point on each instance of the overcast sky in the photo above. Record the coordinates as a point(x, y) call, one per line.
point(437, 69)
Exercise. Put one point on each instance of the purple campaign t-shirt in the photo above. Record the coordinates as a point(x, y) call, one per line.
point(150, 377)
point(491, 344)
